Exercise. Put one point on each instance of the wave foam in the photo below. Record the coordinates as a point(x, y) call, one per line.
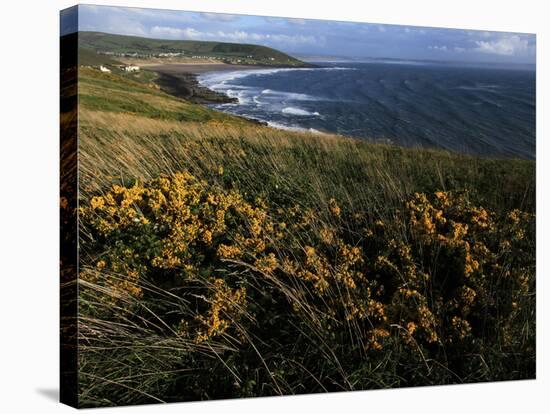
point(290, 110)
point(283, 96)
point(480, 87)
point(293, 128)
point(217, 79)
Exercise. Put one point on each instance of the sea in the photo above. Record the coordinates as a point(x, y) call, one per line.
point(483, 110)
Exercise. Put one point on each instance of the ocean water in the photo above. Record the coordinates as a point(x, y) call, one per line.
point(487, 111)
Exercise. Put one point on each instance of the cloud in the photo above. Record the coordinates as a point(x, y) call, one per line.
point(220, 17)
point(478, 33)
point(234, 36)
point(111, 23)
point(175, 33)
point(286, 20)
point(300, 22)
point(313, 36)
point(511, 45)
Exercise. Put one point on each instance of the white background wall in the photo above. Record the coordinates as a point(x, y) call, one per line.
point(29, 204)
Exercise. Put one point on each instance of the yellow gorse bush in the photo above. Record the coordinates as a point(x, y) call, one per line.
point(449, 270)
point(226, 303)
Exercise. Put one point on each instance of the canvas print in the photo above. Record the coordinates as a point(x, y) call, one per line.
point(261, 206)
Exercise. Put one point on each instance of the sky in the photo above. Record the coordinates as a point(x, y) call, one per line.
point(308, 37)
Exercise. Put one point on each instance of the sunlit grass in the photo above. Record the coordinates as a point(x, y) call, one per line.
point(221, 258)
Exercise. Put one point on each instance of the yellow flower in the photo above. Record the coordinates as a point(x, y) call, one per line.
point(229, 252)
point(411, 327)
point(334, 208)
point(267, 264)
point(327, 235)
point(207, 236)
point(461, 326)
point(374, 336)
point(97, 202)
point(225, 305)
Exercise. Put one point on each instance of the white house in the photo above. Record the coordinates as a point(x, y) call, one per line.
point(131, 68)
point(104, 69)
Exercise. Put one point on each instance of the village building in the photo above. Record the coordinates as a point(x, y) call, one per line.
point(131, 68)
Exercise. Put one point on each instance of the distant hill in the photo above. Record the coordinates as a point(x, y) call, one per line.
point(128, 46)
point(90, 57)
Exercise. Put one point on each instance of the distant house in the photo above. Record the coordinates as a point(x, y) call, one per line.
point(104, 69)
point(131, 68)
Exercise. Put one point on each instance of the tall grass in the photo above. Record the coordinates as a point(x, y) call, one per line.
point(278, 163)
point(335, 264)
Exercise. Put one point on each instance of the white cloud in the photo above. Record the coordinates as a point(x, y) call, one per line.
point(234, 36)
point(112, 23)
point(173, 32)
point(510, 45)
point(285, 20)
point(478, 34)
point(297, 21)
point(414, 30)
point(220, 17)
point(88, 8)
point(440, 48)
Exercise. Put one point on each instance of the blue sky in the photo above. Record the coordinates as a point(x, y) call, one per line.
point(312, 37)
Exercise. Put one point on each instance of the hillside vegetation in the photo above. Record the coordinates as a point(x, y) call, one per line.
point(221, 258)
point(146, 47)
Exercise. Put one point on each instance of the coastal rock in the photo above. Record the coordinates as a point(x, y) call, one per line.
point(185, 86)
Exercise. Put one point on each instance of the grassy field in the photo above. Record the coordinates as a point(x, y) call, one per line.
point(245, 53)
point(221, 258)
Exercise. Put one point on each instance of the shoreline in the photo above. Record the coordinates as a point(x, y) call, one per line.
point(181, 80)
point(199, 68)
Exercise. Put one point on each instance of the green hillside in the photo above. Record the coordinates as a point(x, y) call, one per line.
point(119, 45)
point(220, 258)
point(89, 57)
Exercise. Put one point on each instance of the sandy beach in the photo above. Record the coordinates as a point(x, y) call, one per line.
point(196, 68)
